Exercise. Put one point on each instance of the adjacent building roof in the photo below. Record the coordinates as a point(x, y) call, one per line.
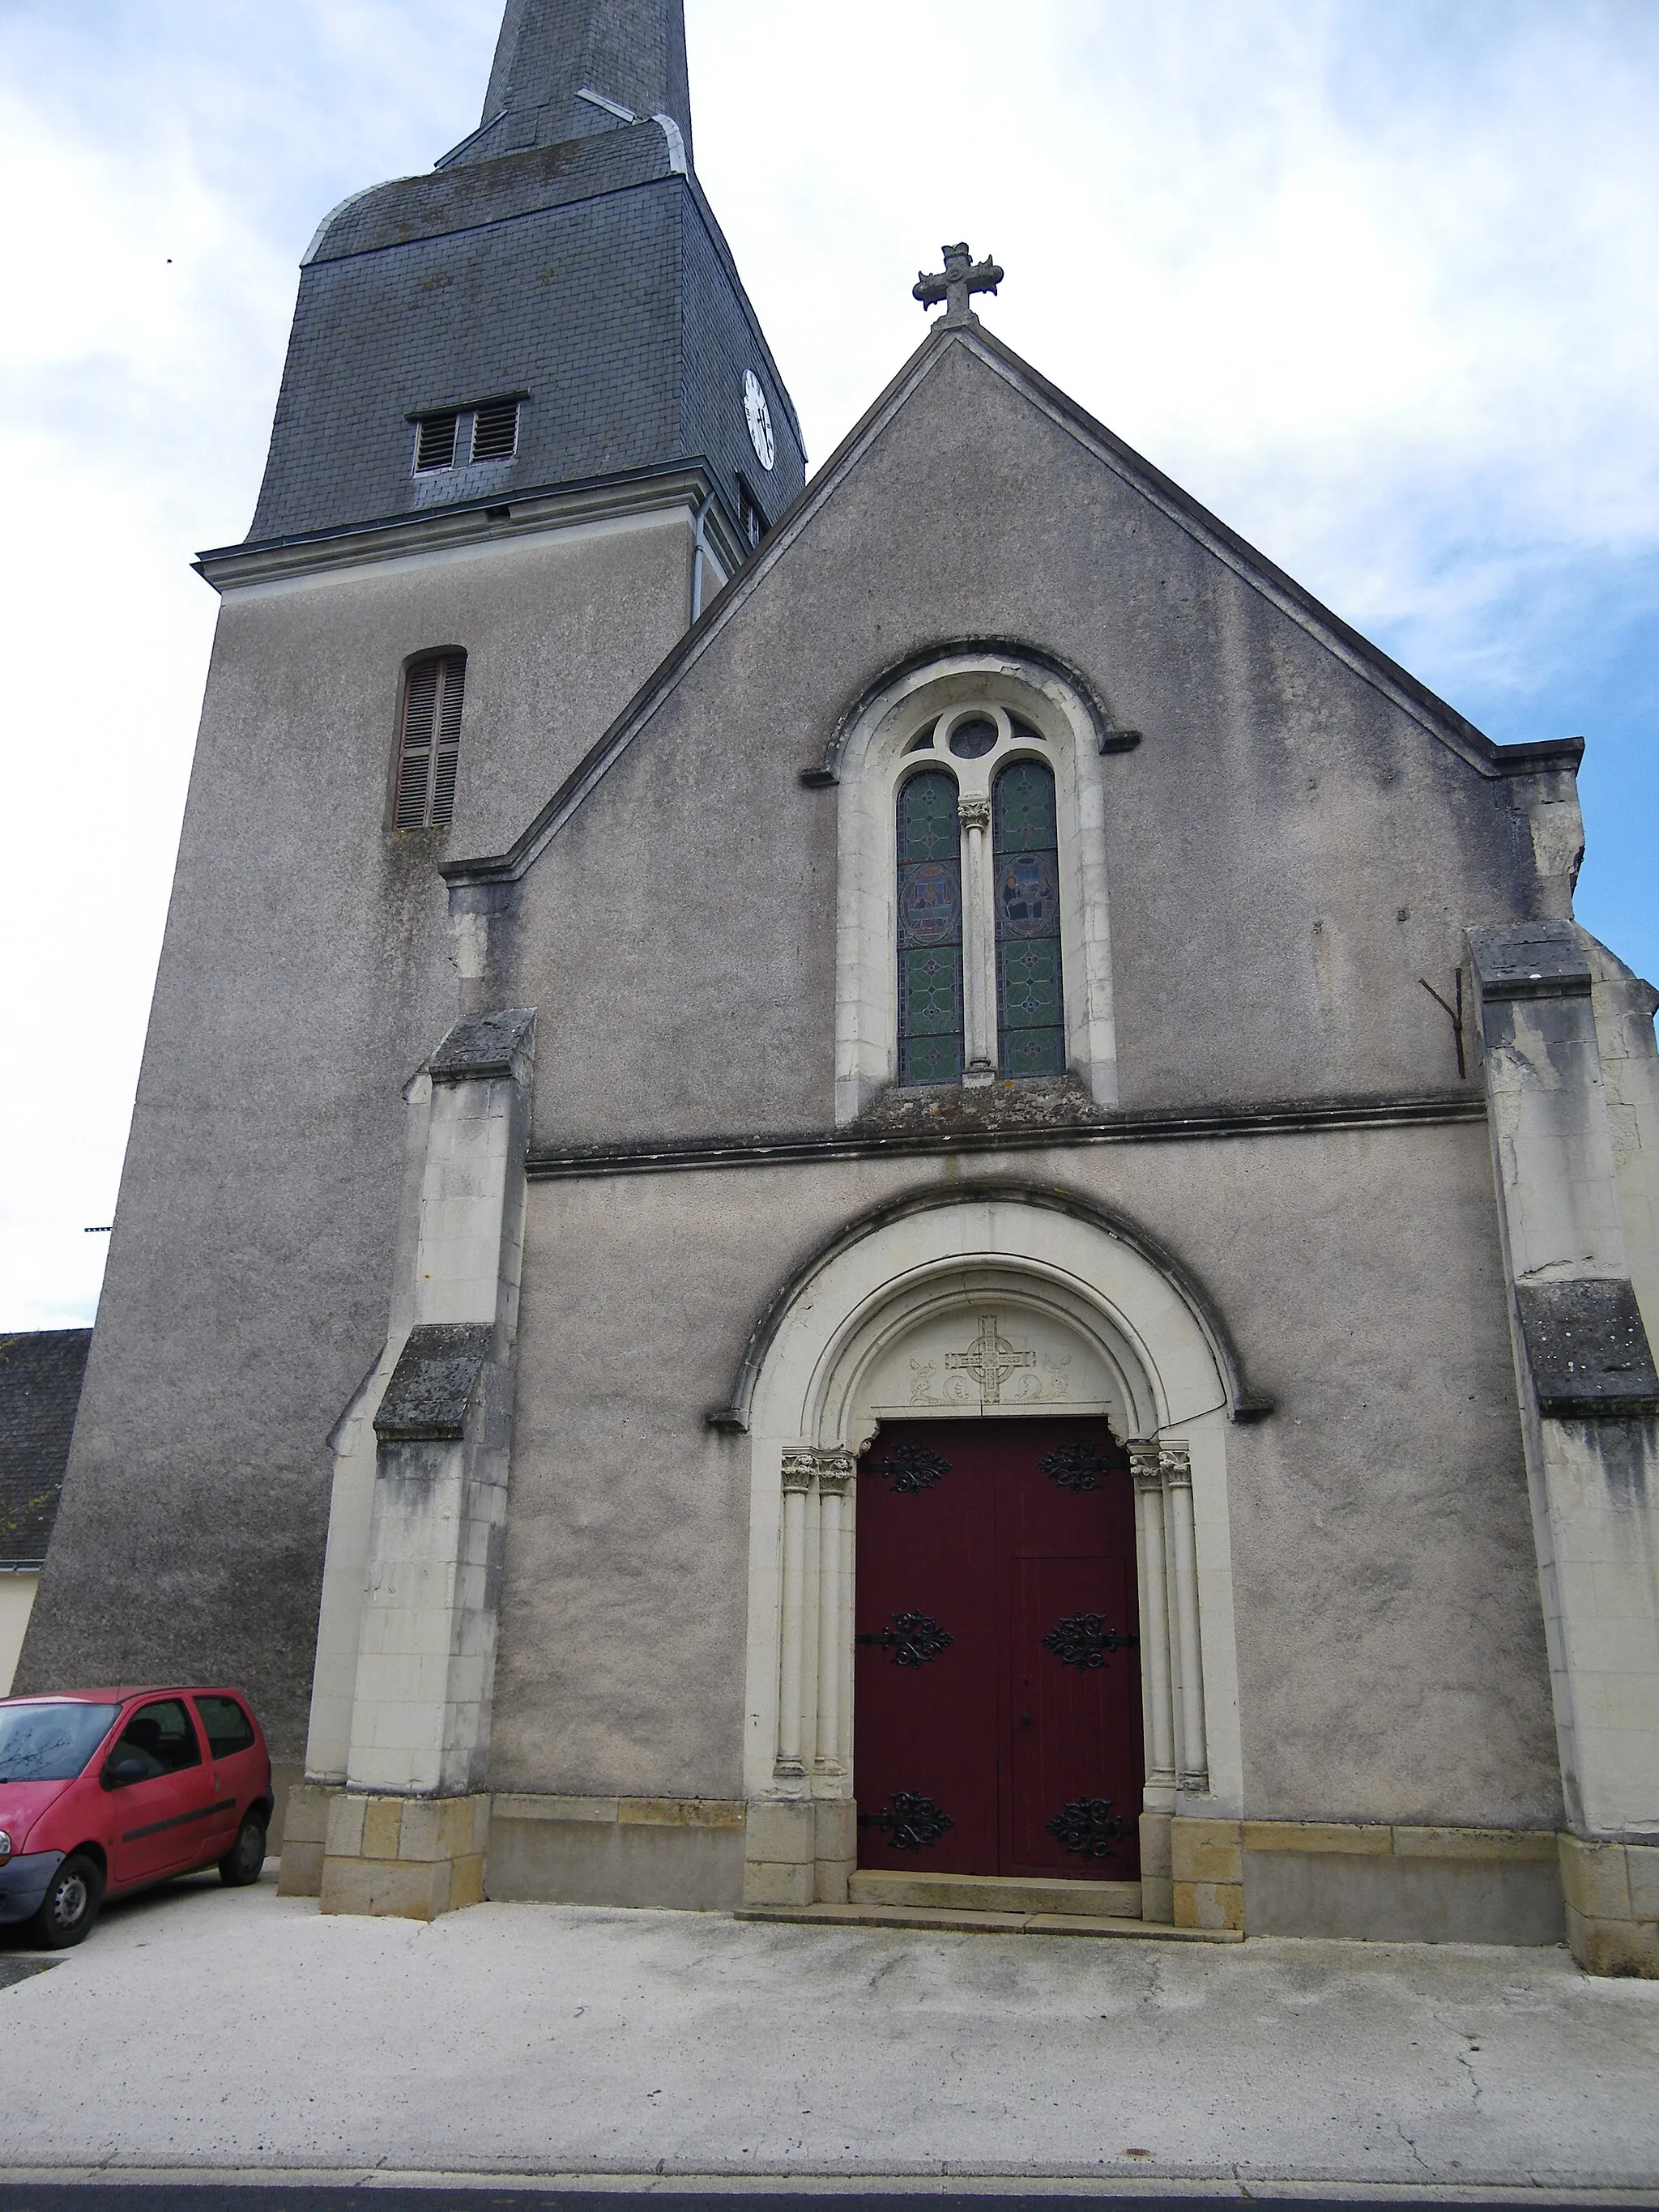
point(40, 1375)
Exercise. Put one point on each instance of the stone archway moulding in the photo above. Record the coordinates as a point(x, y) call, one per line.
point(1163, 1371)
point(1242, 1402)
point(1011, 654)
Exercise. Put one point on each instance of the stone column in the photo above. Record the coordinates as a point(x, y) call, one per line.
point(1566, 1173)
point(834, 1832)
point(1151, 1564)
point(835, 1472)
point(799, 1472)
point(1192, 1754)
point(979, 1042)
point(1153, 1572)
point(800, 1842)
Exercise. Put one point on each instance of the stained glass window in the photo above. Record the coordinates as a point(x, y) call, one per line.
point(1031, 1001)
point(974, 739)
point(929, 930)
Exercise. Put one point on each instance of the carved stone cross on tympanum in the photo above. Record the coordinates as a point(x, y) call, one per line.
point(990, 1360)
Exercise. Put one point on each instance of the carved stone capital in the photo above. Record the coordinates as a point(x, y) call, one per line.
point(974, 813)
point(835, 1472)
point(1144, 1458)
point(800, 1464)
point(1175, 1465)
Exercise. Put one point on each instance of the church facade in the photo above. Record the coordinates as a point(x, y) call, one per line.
point(901, 1194)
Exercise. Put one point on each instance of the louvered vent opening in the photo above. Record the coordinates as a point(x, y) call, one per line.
point(495, 431)
point(431, 742)
point(434, 442)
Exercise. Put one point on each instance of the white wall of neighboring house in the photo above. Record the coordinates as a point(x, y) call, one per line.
point(17, 1589)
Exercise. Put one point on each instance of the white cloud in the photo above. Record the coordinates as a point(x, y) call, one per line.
point(1290, 266)
point(1376, 281)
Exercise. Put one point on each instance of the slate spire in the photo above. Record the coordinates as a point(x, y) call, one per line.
point(575, 264)
point(631, 53)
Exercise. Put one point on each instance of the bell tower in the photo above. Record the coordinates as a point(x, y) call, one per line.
point(562, 260)
point(528, 426)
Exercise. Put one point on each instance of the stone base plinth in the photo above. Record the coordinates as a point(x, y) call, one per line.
point(1612, 1906)
point(1206, 1870)
point(1157, 1877)
point(1366, 1880)
point(799, 1851)
point(407, 1858)
point(305, 1832)
point(684, 1854)
point(1379, 1883)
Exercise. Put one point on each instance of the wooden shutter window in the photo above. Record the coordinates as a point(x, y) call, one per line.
point(495, 431)
point(430, 745)
point(434, 442)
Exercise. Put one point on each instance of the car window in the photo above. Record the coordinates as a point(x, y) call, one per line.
point(50, 1743)
point(161, 1735)
point(227, 1728)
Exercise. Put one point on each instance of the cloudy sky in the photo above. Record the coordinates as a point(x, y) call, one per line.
point(1376, 279)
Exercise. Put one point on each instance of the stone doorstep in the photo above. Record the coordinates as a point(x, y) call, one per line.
point(984, 1924)
point(1000, 1893)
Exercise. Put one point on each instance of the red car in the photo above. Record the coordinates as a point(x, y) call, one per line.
point(103, 1792)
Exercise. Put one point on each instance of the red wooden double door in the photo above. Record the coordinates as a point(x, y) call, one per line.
point(997, 1683)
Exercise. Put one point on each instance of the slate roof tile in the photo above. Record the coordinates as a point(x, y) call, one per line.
point(40, 1374)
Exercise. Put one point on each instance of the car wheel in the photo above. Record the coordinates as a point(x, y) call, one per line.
point(241, 1863)
point(66, 1912)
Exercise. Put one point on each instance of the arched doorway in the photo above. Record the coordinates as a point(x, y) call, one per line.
point(1088, 1324)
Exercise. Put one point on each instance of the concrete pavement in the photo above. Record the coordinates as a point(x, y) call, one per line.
point(212, 2029)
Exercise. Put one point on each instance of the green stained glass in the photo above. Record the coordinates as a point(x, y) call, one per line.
point(932, 1060)
point(1030, 973)
point(931, 994)
point(927, 819)
point(1030, 991)
point(929, 930)
point(1034, 1052)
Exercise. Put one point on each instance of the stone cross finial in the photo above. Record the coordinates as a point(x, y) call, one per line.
point(963, 277)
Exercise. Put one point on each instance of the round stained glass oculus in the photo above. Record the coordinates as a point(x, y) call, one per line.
point(972, 739)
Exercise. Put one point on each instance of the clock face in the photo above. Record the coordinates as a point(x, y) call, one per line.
point(758, 415)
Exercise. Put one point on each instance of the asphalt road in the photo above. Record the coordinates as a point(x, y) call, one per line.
point(201, 2196)
point(239, 2197)
point(18, 1965)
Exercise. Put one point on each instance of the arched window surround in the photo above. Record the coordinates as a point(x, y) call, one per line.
point(873, 760)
